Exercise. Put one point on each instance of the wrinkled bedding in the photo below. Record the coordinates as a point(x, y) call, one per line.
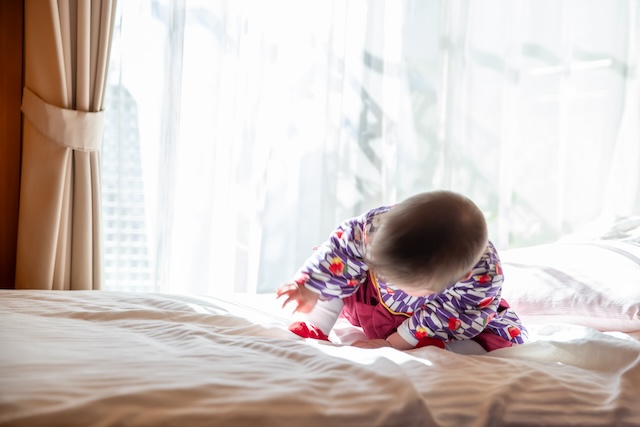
point(86, 358)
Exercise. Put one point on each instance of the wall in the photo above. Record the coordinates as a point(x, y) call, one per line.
point(11, 37)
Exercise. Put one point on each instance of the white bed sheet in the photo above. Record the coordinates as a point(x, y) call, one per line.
point(104, 359)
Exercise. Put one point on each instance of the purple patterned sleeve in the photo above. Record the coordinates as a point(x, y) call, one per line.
point(463, 310)
point(337, 267)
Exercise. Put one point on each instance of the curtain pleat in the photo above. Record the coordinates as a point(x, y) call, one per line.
point(66, 52)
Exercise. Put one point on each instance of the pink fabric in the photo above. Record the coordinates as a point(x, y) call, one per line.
point(364, 309)
point(490, 341)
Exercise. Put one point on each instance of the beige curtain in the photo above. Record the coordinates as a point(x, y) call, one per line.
point(66, 55)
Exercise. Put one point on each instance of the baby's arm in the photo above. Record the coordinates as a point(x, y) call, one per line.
point(337, 267)
point(399, 343)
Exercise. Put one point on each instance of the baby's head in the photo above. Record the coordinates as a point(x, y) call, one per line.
point(428, 242)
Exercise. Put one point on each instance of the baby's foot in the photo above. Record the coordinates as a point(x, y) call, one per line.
point(307, 331)
point(427, 341)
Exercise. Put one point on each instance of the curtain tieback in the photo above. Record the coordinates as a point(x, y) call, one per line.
point(70, 128)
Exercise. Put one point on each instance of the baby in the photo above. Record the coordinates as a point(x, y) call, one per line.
point(419, 273)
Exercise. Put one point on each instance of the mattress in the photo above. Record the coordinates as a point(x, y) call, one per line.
point(96, 358)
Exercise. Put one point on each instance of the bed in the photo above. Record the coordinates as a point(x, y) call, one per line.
point(96, 358)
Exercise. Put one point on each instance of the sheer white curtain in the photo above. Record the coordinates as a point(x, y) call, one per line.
point(239, 133)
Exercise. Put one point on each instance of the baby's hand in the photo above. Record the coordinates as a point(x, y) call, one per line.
point(304, 298)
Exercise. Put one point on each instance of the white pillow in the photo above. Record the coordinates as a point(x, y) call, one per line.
point(594, 284)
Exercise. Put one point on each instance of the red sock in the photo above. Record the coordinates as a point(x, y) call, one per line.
point(430, 341)
point(307, 331)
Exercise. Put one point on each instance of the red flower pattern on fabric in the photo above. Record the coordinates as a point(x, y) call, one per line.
point(485, 302)
point(454, 323)
point(513, 331)
point(337, 266)
point(485, 278)
point(421, 333)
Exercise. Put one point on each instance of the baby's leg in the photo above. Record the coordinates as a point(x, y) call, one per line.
point(322, 318)
point(325, 314)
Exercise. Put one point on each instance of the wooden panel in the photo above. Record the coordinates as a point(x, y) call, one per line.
point(11, 38)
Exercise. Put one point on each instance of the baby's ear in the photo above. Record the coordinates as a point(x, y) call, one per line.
point(466, 277)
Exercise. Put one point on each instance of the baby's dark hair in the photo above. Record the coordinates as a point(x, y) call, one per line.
point(431, 239)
